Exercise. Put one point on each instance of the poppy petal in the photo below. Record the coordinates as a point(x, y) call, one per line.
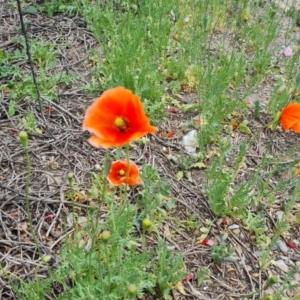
point(288, 121)
point(296, 127)
point(100, 119)
point(188, 278)
point(118, 173)
point(134, 175)
point(291, 244)
point(98, 142)
point(290, 117)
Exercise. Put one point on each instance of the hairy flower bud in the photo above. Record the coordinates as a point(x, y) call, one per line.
point(70, 178)
point(272, 280)
point(24, 139)
point(105, 235)
point(132, 290)
point(147, 224)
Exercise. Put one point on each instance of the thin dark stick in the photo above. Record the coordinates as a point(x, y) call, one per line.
point(30, 62)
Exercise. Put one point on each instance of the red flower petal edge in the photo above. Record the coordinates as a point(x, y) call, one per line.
point(188, 278)
point(291, 244)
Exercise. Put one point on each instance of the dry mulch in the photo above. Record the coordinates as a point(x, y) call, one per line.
point(62, 148)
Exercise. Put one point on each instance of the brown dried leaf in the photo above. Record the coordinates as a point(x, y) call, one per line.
point(167, 231)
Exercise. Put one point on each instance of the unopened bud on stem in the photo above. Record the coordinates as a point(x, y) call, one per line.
point(70, 178)
point(147, 224)
point(272, 280)
point(24, 139)
point(105, 235)
point(132, 290)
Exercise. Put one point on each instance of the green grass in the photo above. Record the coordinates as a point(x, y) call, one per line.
point(20, 83)
point(158, 48)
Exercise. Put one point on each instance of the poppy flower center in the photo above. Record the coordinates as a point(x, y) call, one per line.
point(121, 123)
point(121, 172)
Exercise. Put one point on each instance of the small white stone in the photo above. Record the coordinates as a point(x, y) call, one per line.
point(233, 226)
point(291, 263)
point(280, 264)
point(283, 247)
point(257, 253)
point(284, 257)
point(279, 215)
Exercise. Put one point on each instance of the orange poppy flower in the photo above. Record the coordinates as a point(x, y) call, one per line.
point(116, 118)
point(290, 117)
point(118, 172)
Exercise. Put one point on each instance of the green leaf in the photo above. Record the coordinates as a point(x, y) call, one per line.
point(172, 158)
point(32, 10)
point(297, 82)
point(12, 108)
point(244, 128)
point(206, 20)
point(179, 175)
point(107, 165)
point(190, 106)
point(204, 229)
point(199, 165)
point(189, 176)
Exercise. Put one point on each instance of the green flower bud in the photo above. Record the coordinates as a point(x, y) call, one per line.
point(159, 197)
point(70, 178)
point(78, 236)
point(272, 280)
point(105, 235)
point(206, 22)
point(132, 290)
point(107, 165)
point(94, 193)
point(147, 224)
point(24, 139)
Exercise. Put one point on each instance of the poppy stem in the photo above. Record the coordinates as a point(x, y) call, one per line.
point(128, 164)
point(24, 140)
point(127, 179)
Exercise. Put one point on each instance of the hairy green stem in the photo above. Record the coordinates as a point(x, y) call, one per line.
point(126, 185)
point(128, 165)
point(27, 200)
